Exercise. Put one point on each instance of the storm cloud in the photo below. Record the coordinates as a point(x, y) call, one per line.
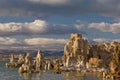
point(46, 8)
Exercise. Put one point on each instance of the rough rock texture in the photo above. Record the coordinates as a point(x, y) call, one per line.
point(115, 62)
point(95, 62)
point(31, 65)
point(27, 66)
point(12, 63)
point(38, 60)
point(20, 60)
point(78, 54)
point(103, 51)
point(74, 48)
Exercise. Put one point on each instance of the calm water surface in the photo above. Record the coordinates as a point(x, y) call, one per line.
point(12, 74)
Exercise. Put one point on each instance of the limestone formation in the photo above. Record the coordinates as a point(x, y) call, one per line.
point(38, 60)
point(78, 54)
point(20, 60)
point(27, 67)
point(12, 63)
point(28, 59)
point(74, 48)
point(95, 62)
point(115, 62)
point(56, 65)
point(33, 66)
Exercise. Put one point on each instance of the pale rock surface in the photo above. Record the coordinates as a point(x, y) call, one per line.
point(75, 51)
point(11, 63)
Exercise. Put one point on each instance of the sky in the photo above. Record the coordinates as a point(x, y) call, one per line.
point(47, 24)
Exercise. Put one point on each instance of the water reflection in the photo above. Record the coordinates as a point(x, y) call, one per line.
point(26, 76)
point(79, 76)
point(49, 75)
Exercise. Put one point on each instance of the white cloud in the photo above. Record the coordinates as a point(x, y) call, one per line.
point(102, 40)
point(44, 41)
point(102, 26)
point(32, 43)
point(106, 27)
point(8, 41)
point(37, 27)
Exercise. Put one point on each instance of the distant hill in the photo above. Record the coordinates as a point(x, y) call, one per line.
point(33, 52)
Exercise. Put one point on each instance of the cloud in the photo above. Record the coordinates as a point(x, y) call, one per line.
point(102, 26)
point(44, 41)
point(8, 41)
point(46, 8)
point(41, 27)
point(106, 27)
point(32, 43)
point(102, 40)
point(37, 27)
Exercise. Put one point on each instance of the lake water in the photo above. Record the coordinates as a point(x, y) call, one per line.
point(12, 74)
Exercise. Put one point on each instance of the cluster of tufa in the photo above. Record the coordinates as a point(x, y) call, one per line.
point(79, 55)
point(28, 64)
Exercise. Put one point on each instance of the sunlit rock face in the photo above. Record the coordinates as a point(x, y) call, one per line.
point(95, 62)
point(79, 54)
point(115, 62)
point(38, 60)
point(27, 65)
point(20, 59)
point(11, 63)
point(31, 65)
point(103, 51)
point(74, 48)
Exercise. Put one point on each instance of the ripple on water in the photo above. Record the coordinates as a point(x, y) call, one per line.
point(12, 74)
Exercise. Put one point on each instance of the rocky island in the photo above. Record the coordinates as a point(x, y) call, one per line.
point(79, 55)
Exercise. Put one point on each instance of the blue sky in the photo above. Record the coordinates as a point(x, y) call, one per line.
point(47, 24)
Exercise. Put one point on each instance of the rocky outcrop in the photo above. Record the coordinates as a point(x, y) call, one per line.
point(35, 65)
point(20, 60)
point(12, 63)
point(38, 61)
point(95, 62)
point(115, 62)
point(27, 65)
point(15, 61)
point(75, 51)
point(78, 54)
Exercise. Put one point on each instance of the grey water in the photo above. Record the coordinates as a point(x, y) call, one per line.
point(12, 74)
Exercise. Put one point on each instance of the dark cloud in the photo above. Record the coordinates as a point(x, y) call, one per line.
point(45, 8)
